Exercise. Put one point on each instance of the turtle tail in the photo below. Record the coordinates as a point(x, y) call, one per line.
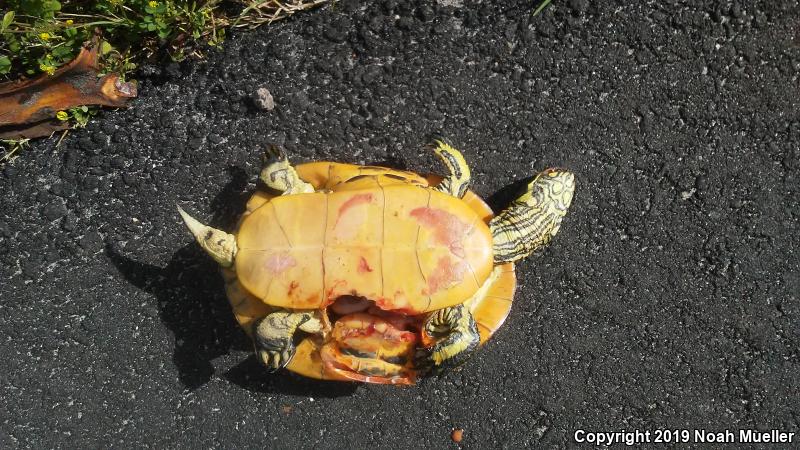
point(531, 221)
point(218, 244)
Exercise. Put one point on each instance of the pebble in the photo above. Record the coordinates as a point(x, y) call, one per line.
point(263, 99)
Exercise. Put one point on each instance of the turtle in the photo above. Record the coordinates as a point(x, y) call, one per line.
point(344, 272)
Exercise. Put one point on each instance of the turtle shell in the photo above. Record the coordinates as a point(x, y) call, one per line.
point(368, 232)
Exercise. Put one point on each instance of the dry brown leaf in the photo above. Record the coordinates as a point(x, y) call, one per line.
point(28, 108)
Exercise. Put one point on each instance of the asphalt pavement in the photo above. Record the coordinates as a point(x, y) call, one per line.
point(670, 299)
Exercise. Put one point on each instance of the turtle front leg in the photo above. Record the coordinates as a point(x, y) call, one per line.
point(457, 183)
point(456, 335)
point(274, 336)
point(278, 174)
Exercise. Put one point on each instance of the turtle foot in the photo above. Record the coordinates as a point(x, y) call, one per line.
point(456, 337)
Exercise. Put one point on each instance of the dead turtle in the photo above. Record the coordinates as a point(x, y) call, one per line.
point(347, 272)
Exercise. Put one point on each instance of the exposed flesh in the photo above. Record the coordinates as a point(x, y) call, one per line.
point(368, 348)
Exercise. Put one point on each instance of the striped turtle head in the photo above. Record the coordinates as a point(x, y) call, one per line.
point(534, 218)
point(552, 186)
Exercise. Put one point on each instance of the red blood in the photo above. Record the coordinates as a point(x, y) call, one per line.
point(292, 286)
point(444, 275)
point(363, 267)
point(390, 304)
point(408, 337)
point(447, 229)
point(332, 293)
point(355, 200)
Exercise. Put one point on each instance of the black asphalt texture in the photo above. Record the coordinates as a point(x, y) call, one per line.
point(669, 299)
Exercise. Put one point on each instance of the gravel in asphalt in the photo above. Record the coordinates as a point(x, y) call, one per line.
point(669, 299)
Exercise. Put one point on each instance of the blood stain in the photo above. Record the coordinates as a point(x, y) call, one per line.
point(444, 275)
point(292, 286)
point(363, 266)
point(358, 199)
point(447, 229)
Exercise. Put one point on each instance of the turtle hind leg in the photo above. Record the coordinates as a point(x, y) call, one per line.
point(278, 174)
point(531, 221)
point(457, 338)
point(274, 334)
point(457, 183)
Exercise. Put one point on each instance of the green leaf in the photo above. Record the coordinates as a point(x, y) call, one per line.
point(5, 64)
point(7, 19)
point(105, 48)
point(61, 51)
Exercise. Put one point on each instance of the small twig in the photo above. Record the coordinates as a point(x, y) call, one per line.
point(542, 6)
point(259, 12)
point(12, 146)
point(63, 135)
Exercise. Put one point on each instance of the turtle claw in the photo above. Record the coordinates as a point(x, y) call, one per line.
point(274, 336)
point(279, 175)
point(273, 153)
point(276, 354)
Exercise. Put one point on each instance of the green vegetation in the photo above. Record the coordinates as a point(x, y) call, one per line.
point(11, 147)
point(39, 36)
point(541, 7)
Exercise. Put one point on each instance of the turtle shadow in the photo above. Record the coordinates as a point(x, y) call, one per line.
point(250, 374)
point(191, 293)
point(191, 303)
point(502, 198)
point(391, 161)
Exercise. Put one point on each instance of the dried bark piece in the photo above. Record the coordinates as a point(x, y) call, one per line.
point(27, 108)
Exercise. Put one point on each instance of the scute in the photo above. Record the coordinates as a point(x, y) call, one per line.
point(279, 265)
point(409, 248)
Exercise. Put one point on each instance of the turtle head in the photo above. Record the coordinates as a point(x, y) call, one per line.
point(553, 185)
point(217, 243)
point(534, 217)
